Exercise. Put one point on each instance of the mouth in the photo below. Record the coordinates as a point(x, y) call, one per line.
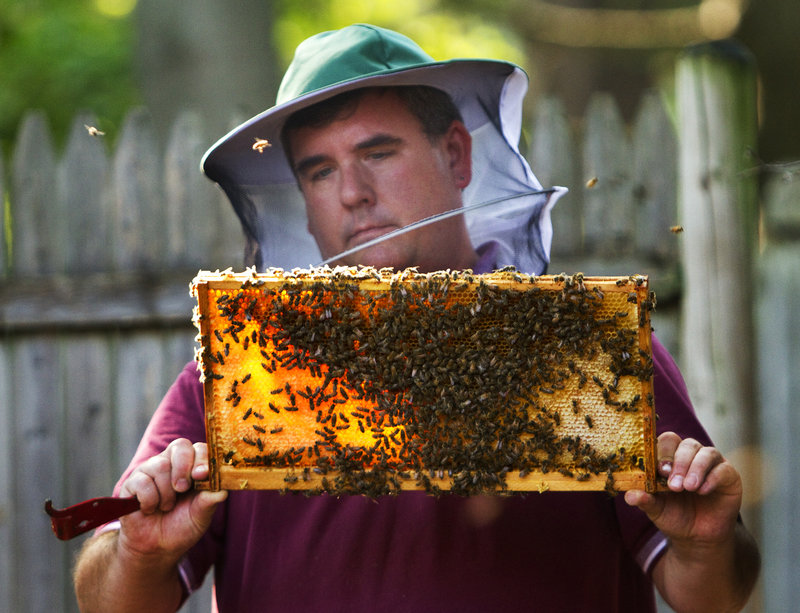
point(362, 235)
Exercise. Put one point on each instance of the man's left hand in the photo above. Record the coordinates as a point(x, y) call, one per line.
point(705, 493)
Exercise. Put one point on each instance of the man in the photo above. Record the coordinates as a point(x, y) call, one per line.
point(371, 155)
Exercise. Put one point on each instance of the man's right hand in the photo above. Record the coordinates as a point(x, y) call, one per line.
point(172, 516)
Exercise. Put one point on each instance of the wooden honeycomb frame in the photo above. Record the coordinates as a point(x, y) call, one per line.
point(353, 380)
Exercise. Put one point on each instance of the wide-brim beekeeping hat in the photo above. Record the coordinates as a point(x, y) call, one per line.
point(489, 94)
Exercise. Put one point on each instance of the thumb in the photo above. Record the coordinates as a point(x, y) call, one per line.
point(651, 505)
point(204, 504)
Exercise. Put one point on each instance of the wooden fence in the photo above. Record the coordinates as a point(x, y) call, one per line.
point(100, 246)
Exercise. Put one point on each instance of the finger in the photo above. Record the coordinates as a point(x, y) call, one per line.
point(181, 454)
point(722, 477)
point(150, 483)
point(703, 462)
point(666, 445)
point(143, 487)
point(204, 505)
point(158, 470)
point(684, 457)
point(651, 505)
point(200, 468)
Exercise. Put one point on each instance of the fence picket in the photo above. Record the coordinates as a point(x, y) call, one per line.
point(191, 230)
point(4, 222)
point(778, 326)
point(82, 187)
point(7, 465)
point(552, 156)
point(39, 559)
point(137, 240)
point(34, 222)
point(606, 155)
point(654, 146)
point(139, 387)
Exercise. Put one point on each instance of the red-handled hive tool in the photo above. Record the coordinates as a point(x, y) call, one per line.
point(80, 518)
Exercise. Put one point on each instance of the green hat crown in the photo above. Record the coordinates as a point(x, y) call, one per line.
point(351, 53)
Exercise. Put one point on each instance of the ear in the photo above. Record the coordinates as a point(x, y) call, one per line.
point(458, 147)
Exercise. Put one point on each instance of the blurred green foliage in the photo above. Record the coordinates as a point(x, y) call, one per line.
point(444, 32)
point(64, 56)
point(68, 56)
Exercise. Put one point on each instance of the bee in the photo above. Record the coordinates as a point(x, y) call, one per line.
point(591, 182)
point(93, 131)
point(676, 229)
point(260, 144)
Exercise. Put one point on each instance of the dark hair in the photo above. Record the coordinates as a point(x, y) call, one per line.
point(433, 107)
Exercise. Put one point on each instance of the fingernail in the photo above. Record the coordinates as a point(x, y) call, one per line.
point(666, 467)
point(691, 482)
point(676, 481)
point(181, 485)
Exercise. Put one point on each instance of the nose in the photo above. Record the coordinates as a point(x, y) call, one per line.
point(356, 187)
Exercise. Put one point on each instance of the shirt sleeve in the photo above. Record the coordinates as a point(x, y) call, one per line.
point(675, 413)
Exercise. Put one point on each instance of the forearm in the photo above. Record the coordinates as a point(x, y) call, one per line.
point(718, 577)
point(109, 578)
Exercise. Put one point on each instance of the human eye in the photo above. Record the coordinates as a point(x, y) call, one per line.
point(320, 173)
point(379, 154)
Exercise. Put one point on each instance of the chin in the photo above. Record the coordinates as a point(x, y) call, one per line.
point(380, 257)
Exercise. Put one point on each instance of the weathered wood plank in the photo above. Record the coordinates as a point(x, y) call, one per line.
point(655, 178)
point(35, 214)
point(781, 210)
point(8, 468)
point(138, 389)
point(88, 419)
point(96, 301)
point(137, 238)
point(718, 209)
point(608, 218)
point(778, 327)
point(83, 188)
point(4, 221)
point(553, 158)
point(192, 230)
point(40, 559)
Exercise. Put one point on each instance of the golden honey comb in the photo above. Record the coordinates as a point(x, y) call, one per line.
point(356, 380)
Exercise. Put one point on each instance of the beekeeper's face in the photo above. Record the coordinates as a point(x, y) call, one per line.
point(374, 170)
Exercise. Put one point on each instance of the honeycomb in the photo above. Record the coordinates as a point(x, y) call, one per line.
point(356, 380)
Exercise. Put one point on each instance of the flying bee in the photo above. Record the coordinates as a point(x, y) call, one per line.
point(93, 131)
point(676, 229)
point(260, 144)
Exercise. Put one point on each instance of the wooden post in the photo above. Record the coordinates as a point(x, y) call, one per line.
point(716, 86)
